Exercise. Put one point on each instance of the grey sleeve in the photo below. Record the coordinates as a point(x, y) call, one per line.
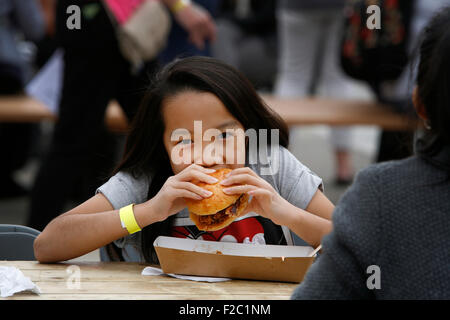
point(296, 182)
point(352, 246)
point(123, 189)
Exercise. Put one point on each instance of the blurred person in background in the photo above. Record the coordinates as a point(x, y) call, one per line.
point(309, 37)
point(395, 145)
point(47, 45)
point(247, 39)
point(20, 20)
point(82, 152)
point(181, 44)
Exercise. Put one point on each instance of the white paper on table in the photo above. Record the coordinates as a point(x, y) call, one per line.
point(46, 85)
point(151, 271)
point(12, 280)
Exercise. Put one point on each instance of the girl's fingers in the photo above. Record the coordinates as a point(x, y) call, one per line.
point(198, 175)
point(193, 188)
point(197, 39)
point(198, 168)
point(243, 170)
point(202, 169)
point(243, 179)
point(258, 192)
point(239, 189)
point(183, 193)
point(195, 171)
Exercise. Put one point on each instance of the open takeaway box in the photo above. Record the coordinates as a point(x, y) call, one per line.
point(234, 260)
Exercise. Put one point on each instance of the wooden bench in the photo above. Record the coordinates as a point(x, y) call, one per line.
point(26, 109)
point(310, 111)
point(317, 111)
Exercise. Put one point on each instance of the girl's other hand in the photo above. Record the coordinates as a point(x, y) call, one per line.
point(266, 201)
point(170, 199)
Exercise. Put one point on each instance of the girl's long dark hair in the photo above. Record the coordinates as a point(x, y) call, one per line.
point(433, 82)
point(144, 150)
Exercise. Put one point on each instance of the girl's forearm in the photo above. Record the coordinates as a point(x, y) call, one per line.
point(306, 225)
point(73, 235)
point(70, 236)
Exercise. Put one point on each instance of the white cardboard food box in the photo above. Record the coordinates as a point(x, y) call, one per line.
point(233, 260)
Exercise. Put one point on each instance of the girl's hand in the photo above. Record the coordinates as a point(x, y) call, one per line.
point(198, 24)
point(266, 201)
point(169, 200)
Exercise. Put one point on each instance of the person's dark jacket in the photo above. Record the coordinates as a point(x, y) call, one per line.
point(396, 216)
point(96, 29)
point(310, 4)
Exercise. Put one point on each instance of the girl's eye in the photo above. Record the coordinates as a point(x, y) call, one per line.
point(185, 141)
point(225, 135)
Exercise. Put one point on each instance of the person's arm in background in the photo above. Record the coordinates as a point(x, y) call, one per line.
point(48, 11)
point(353, 245)
point(29, 18)
point(194, 19)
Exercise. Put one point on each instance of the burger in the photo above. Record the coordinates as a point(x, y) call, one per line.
point(220, 209)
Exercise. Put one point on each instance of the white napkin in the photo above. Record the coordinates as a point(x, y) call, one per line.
point(150, 271)
point(12, 281)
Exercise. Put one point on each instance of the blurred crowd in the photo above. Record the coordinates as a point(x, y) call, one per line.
point(288, 48)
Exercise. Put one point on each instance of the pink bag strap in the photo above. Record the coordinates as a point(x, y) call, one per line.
point(123, 9)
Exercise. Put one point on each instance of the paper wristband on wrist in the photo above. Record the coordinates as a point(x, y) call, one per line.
point(128, 220)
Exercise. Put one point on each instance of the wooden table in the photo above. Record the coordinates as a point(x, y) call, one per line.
point(123, 281)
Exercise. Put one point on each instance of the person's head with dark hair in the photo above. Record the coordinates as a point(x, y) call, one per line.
point(431, 96)
point(184, 92)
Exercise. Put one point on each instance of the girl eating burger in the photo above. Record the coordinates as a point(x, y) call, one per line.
point(205, 159)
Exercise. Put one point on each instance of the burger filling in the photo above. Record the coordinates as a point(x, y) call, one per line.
point(222, 215)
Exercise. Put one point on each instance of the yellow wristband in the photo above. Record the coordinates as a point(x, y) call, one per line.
point(179, 5)
point(127, 219)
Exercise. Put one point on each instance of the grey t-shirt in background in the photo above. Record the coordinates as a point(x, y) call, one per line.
point(291, 179)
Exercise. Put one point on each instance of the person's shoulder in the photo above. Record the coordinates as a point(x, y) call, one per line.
point(376, 183)
point(291, 164)
point(279, 153)
point(273, 160)
point(265, 160)
point(136, 181)
point(283, 150)
point(357, 216)
point(125, 187)
point(395, 171)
